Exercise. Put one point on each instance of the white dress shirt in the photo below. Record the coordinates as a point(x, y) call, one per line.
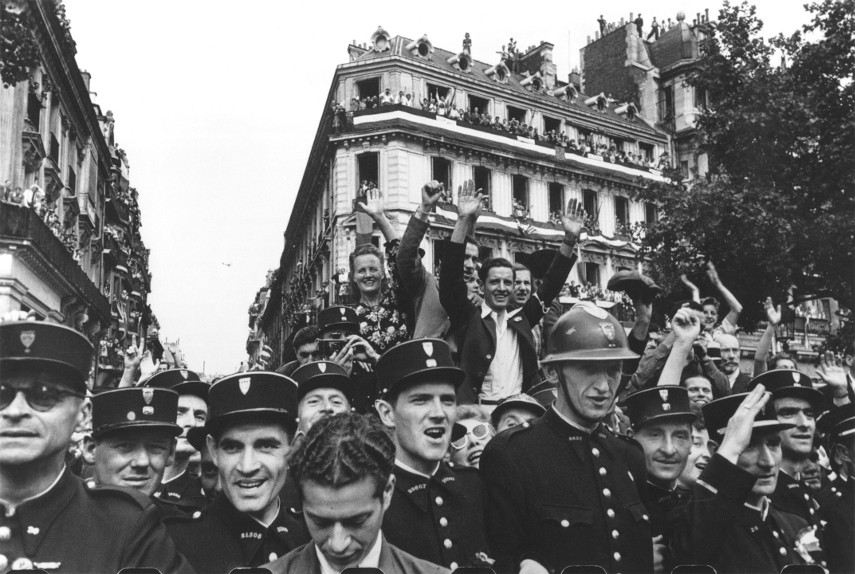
point(505, 374)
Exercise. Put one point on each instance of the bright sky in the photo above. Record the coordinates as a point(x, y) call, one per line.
point(217, 103)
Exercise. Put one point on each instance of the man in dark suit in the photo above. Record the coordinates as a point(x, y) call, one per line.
point(343, 470)
point(730, 354)
point(249, 436)
point(564, 489)
point(496, 346)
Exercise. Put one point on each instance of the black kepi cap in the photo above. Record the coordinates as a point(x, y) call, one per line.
point(182, 381)
point(518, 401)
point(659, 404)
point(134, 407)
point(789, 383)
point(338, 317)
point(416, 360)
point(320, 375)
point(46, 345)
point(837, 422)
point(545, 393)
point(717, 413)
point(244, 397)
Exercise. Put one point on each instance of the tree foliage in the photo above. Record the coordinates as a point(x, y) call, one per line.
point(19, 50)
point(778, 207)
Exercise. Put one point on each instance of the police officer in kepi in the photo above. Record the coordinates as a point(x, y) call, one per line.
point(562, 491)
point(837, 499)
point(436, 513)
point(730, 523)
point(795, 402)
point(661, 422)
point(133, 437)
point(180, 487)
point(251, 422)
point(49, 519)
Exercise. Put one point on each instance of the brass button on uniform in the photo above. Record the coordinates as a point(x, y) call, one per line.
point(5, 533)
point(443, 521)
point(565, 523)
point(595, 451)
point(447, 543)
point(439, 501)
point(603, 471)
point(616, 556)
point(615, 534)
point(607, 493)
point(610, 513)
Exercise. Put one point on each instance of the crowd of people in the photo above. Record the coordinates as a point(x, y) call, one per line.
point(474, 419)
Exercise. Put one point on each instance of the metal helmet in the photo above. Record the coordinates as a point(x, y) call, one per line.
point(587, 333)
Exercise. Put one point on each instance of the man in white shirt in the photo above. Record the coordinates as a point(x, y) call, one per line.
point(344, 472)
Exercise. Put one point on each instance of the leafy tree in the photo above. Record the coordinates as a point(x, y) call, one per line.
point(19, 51)
point(778, 207)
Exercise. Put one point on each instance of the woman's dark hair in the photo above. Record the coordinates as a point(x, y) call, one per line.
point(491, 263)
point(782, 356)
point(344, 449)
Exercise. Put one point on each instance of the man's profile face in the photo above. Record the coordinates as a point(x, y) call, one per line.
point(590, 387)
point(699, 390)
point(251, 459)
point(192, 412)
point(344, 522)
point(319, 403)
point(796, 441)
point(762, 458)
point(308, 352)
point(498, 286)
point(28, 435)
point(134, 458)
point(729, 353)
point(522, 286)
point(666, 448)
point(421, 415)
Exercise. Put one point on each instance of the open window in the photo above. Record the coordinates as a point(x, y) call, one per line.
point(666, 103)
point(479, 104)
point(556, 198)
point(651, 213)
point(516, 114)
point(440, 169)
point(368, 88)
point(646, 151)
point(551, 125)
point(591, 203)
point(483, 181)
point(436, 91)
point(368, 166)
point(592, 273)
point(34, 110)
point(621, 215)
point(520, 193)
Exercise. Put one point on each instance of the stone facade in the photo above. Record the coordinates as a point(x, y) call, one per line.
point(70, 246)
point(400, 147)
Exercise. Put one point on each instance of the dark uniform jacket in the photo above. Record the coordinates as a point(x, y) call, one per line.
point(440, 519)
point(562, 496)
point(476, 336)
point(221, 538)
point(793, 496)
point(717, 528)
point(837, 512)
point(304, 560)
point(73, 528)
point(184, 492)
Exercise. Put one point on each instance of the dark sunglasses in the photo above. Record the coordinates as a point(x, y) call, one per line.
point(40, 397)
point(479, 432)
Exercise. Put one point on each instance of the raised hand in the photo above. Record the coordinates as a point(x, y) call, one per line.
point(832, 371)
point(431, 192)
point(373, 204)
point(696, 293)
point(713, 274)
point(573, 219)
point(737, 436)
point(686, 325)
point(132, 357)
point(773, 314)
point(469, 200)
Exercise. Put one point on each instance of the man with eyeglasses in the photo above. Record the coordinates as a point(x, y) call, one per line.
point(436, 513)
point(180, 487)
point(49, 519)
point(795, 402)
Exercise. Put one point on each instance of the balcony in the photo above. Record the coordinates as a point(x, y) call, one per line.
point(34, 149)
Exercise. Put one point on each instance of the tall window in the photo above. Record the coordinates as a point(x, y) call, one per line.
point(368, 166)
point(438, 92)
point(441, 171)
point(646, 151)
point(72, 181)
point(651, 213)
point(666, 103)
point(621, 214)
point(551, 125)
point(556, 198)
point(520, 193)
point(591, 204)
point(483, 180)
point(592, 273)
point(34, 110)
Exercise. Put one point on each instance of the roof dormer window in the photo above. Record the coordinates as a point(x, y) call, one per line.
point(421, 48)
point(380, 40)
